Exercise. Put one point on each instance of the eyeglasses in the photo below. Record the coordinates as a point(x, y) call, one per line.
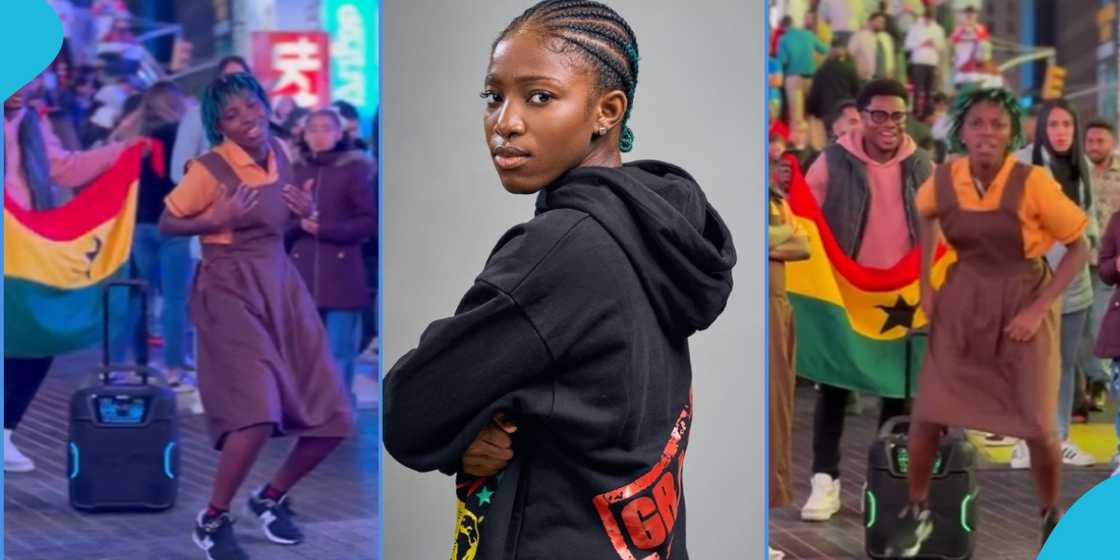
point(880, 117)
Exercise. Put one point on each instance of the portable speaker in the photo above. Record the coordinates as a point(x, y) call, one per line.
point(123, 449)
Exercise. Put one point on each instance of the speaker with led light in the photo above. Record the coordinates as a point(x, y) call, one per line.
point(123, 447)
point(952, 491)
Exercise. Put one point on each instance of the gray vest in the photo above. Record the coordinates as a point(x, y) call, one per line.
point(845, 206)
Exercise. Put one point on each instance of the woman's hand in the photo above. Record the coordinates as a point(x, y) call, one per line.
point(231, 206)
point(1026, 323)
point(299, 199)
point(492, 448)
point(310, 226)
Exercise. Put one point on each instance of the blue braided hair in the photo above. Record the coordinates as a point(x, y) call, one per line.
point(600, 36)
point(219, 92)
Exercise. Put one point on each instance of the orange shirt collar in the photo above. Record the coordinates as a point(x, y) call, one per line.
point(238, 157)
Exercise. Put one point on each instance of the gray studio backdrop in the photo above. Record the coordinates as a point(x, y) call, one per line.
point(700, 104)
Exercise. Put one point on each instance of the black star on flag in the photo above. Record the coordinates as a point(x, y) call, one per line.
point(901, 314)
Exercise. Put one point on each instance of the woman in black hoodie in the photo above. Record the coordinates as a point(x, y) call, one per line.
point(576, 331)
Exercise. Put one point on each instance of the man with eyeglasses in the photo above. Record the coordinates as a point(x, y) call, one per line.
point(865, 184)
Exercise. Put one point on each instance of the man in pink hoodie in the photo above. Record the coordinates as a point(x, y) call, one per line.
point(865, 184)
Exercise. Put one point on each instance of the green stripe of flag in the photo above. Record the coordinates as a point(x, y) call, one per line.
point(40, 320)
point(830, 352)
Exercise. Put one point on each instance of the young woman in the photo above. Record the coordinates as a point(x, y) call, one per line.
point(328, 247)
point(993, 361)
point(264, 363)
point(162, 260)
point(787, 243)
point(1058, 150)
point(576, 331)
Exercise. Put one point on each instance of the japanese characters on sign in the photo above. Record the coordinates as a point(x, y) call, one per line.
point(294, 64)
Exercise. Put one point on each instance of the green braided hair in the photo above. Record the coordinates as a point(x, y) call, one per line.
point(219, 92)
point(999, 96)
point(599, 35)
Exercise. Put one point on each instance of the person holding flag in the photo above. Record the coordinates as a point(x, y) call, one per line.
point(36, 167)
point(864, 187)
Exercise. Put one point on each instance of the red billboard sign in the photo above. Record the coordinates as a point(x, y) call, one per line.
point(294, 64)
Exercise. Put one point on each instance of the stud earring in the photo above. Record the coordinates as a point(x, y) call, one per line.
point(603, 131)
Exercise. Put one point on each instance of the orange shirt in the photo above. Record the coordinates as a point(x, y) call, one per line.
point(1047, 215)
point(199, 189)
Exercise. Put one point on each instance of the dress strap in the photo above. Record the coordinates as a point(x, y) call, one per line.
point(943, 187)
point(220, 169)
point(283, 166)
point(1013, 191)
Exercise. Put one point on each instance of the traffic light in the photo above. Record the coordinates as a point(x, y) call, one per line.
point(181, 54)
point(1054, 82)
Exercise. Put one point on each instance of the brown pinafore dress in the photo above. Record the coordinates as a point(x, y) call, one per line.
point(973, 375)
point(263, 356)
point(782, 378)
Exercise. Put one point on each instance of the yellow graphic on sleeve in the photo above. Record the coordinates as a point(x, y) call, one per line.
point(466, 533)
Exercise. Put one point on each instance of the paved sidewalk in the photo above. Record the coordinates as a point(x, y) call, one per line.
point(1009, 524)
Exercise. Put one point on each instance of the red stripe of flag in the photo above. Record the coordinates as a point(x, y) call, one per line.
point(98, 203)
point(902, 274)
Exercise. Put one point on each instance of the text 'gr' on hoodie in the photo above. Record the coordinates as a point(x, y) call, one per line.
point(578, 329)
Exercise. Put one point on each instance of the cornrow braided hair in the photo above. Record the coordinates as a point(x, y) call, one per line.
point(599, 35)
point(964, 102)
point(221, 89)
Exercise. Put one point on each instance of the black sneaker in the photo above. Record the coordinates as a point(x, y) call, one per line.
point(1049, 521)
point(915, 526)
point(276, 519)
point(215, 537)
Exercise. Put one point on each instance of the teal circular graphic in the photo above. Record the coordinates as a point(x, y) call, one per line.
point(1083, 531)
point(30, 37)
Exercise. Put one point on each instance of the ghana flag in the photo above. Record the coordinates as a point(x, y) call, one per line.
point(852, 321)
point(57, 261)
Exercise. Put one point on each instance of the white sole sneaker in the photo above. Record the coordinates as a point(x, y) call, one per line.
point(820, 515)
point(1073, 456)
point(199, 544)
point(264, 527)
point(19, 467)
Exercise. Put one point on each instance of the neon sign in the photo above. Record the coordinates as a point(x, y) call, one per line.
point(353, 29)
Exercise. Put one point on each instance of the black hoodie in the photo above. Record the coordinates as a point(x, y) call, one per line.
point(577, 327)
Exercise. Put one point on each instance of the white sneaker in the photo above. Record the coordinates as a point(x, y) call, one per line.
point(14, 460)
point(776, 554)
point(1021, 456)
point(996, 440)
point(1073, 455)
point(824, 501)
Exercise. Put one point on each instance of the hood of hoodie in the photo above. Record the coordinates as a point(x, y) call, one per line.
point(853, 142)
point(676, 242)
point(337, 157)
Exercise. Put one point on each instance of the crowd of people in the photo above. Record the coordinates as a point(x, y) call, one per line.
point(907, 138)
point(209, 225)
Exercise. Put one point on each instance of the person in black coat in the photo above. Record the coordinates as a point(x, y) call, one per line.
point(835, 81)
